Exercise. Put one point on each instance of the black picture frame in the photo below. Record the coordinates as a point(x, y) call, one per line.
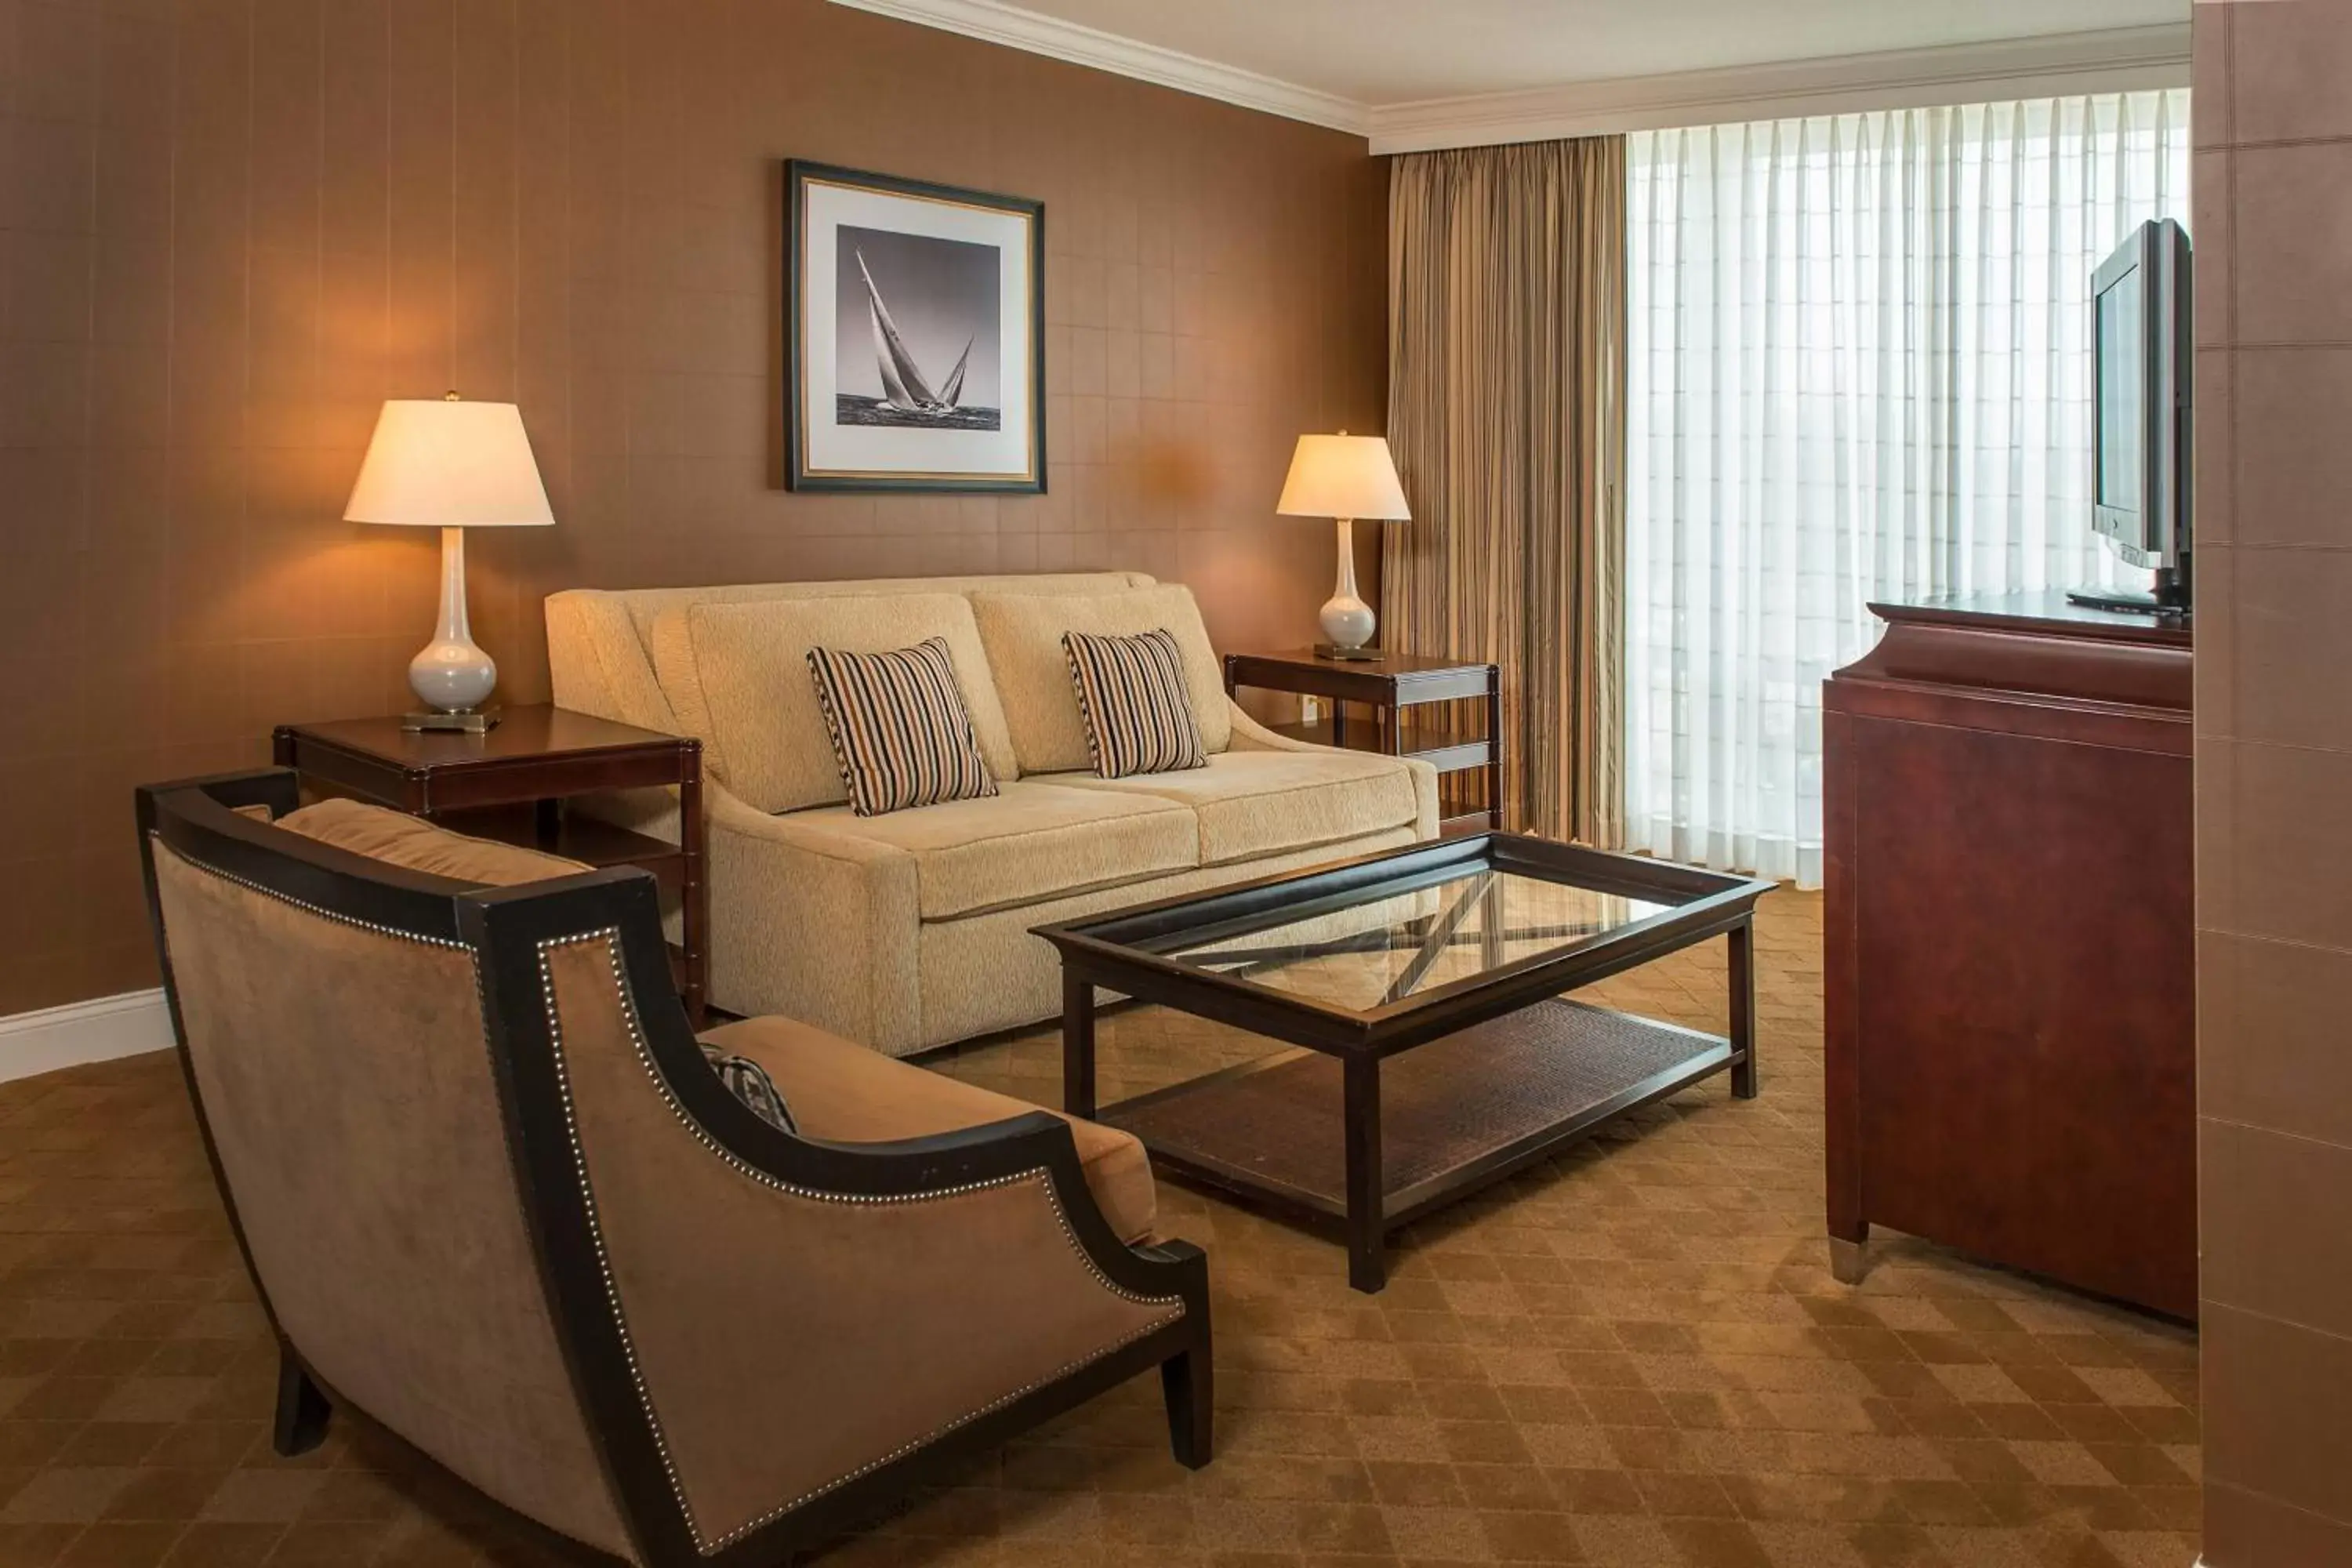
point(799, 406)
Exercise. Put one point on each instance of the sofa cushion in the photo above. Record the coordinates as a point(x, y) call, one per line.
point(901, 735)
point(1250, 803)
point(1023, 635)
point(397, 838)
point(845, 1093)
point(640, 607)
point(1030, 841)
point(1132, 697)
point(737, 675)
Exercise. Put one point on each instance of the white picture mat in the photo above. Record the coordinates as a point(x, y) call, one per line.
point(827, 447)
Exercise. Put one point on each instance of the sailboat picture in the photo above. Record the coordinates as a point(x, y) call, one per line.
point(945, 296)
point(914, 337)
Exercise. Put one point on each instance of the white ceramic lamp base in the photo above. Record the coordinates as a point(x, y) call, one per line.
point(1348, 622)
point(451, 675)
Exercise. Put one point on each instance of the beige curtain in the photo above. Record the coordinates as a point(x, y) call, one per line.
point(1506, 376)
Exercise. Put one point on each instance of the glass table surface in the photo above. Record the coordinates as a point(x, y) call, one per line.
point(1397, 945)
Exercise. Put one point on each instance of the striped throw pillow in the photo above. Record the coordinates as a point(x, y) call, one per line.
point(900, 731)
point(1138, 712)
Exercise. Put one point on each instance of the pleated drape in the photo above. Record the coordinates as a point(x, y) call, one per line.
point(1859, 368)
point(1506, 310)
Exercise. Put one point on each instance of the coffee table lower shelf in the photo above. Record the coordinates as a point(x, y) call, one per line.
point(1436, 1123)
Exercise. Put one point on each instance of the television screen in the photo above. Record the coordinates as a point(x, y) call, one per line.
point(2123, 391)
point(2140, 478)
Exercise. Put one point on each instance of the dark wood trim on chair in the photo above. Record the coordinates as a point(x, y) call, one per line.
point(506, 929)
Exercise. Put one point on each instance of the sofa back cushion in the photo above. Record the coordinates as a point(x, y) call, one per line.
point(600, 640)
point(1022, 636)
point(737, 675)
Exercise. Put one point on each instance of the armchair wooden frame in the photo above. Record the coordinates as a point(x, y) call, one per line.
point(506, 931)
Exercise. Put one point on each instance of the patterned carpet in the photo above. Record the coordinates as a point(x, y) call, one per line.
point(1632, 1356)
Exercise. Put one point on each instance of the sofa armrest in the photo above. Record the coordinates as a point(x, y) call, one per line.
point(1249, 735)
point(798, 1315)
point(815, 925)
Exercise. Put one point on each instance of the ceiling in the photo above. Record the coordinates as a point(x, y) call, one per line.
point(1382, 52)
point(1451, 72)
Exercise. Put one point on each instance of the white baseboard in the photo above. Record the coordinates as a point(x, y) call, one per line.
point(98, 1030)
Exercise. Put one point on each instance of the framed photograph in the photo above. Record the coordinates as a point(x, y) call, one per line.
point(914, 335)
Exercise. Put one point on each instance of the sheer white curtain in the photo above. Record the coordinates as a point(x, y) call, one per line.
point(1858, 368)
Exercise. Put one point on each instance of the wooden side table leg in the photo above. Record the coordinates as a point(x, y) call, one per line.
point(1077, 1042)
point(1494, 749)
point(1743, 1009)
point(694, 887)
point(1366, 1215)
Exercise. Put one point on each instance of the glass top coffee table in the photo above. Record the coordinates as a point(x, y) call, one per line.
point(1425, 988)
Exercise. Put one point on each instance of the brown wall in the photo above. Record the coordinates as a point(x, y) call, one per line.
point(230, 228)
point(2273, 184)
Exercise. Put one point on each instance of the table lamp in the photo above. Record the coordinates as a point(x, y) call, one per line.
point(452, 466)
point(1344, 477)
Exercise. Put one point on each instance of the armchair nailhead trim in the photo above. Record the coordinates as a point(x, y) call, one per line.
point(610, 937)
point(309, 908)
point(473, 959)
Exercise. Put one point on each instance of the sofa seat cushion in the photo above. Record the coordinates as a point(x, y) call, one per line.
point(1249, 803)
point(1028, 842)
point(845, 1093)
point(397, 838)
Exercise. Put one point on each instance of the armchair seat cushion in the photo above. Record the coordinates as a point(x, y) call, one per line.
point(845, 1093)
point(1027, 843)
point(1254, 804)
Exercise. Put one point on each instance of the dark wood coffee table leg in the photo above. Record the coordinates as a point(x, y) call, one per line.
point(1367, 1217)
point(1077, 1042)
point(1743, 1009)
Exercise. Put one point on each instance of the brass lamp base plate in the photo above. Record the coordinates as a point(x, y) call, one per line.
point(1352, 655)
point(466, 721)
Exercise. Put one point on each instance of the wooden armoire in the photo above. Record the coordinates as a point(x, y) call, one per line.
point(2011, 953)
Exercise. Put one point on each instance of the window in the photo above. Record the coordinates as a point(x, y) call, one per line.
point(1859, 367)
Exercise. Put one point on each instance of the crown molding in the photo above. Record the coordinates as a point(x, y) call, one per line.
point(997, 23)
point(2120, 60)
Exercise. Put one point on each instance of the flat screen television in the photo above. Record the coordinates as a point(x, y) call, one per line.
point(2141, 353)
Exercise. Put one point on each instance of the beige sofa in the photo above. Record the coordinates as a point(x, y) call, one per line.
point(911, 930)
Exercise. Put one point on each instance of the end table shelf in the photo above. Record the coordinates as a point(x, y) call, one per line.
point(1442, 746)
point(512, 783)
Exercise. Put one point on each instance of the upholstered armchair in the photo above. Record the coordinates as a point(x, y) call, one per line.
point(494, 1198)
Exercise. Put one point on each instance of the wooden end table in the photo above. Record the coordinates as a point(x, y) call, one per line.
point(512, 785)
point(1392, 683)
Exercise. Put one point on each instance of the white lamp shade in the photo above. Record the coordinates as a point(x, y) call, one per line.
point(1343, 476)
point(449, 463)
